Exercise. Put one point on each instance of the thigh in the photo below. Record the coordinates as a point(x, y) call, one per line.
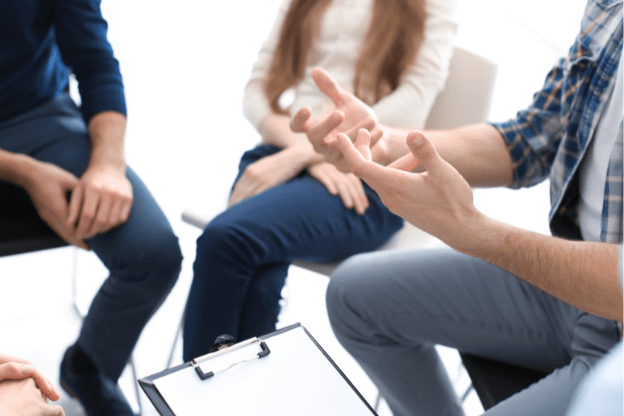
point(442, 297)
point(54, 132)
point(300, 220)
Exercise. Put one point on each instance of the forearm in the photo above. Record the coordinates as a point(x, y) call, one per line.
point(478, 152)
point(275, 130)
point(582, 274)
point(15, 167)
point(107, 131)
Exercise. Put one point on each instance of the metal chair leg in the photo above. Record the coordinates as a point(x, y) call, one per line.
point(175, 341)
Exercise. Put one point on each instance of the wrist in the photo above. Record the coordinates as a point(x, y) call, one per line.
point(24, 171)
point(303, 153)
point(480, 237)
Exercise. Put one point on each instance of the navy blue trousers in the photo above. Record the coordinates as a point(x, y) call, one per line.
point(142, 255)
point(244, 253)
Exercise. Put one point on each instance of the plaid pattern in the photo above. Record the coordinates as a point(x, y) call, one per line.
point(550, 137)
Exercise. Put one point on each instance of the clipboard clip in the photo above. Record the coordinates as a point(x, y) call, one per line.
point(204, 376)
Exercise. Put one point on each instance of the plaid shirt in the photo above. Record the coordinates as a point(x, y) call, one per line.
point(550, 138)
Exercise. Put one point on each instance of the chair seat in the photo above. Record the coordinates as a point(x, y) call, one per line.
point(495, 381)
point(21, 229)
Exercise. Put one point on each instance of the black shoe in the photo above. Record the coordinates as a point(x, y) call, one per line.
point(99, 395)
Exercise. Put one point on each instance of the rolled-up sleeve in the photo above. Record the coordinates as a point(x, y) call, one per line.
point(534, 135)
point(408, 106)
point(81, 36)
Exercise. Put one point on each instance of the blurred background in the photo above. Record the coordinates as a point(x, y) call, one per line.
point(185, 65)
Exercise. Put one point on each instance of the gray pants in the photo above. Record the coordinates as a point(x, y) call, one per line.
point(389, 309)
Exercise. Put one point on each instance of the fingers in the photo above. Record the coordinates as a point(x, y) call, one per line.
point(75, 203)
point(103, 219)
point(323, 177)
point(298, 122)
point(360, 201)
point(353, 157)
point(424, 151)
point(407, 163)
point(327, 85)
point(362, 144)
point(318, 132)
point(51, 410)
point(87, 213)
point(16, 371)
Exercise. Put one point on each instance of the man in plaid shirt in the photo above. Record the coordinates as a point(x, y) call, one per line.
point(548, 303)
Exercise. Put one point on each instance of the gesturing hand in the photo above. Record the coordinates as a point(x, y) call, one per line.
point(12, 368)
point(23, 398)
point(350, 115)
point(47, 186)
point(438, 201)
point(265, 174)
point(346, 185)
point(101, 200)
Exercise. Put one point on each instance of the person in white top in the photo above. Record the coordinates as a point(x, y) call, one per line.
point(287, 203)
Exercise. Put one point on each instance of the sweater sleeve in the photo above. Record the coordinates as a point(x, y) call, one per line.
point(256, 107)
point(81, 36)
point(408, 106)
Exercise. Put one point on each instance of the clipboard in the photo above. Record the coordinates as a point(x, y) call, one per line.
point(285, 372)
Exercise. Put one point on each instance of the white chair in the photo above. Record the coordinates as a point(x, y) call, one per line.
point(466, 99)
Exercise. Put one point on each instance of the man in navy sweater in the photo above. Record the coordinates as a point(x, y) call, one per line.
point(71, 163)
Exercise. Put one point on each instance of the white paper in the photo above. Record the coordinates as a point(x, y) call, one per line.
point(295, 379)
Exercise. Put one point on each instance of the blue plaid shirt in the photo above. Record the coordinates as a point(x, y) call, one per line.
point(550, 138)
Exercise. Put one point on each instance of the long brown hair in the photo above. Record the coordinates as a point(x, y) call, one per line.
point(390, 47)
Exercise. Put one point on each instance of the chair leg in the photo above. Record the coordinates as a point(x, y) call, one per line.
point(175, 341)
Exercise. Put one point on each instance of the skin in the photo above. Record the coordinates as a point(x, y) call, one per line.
point(13, 368)
point(297, 154)
point(100, 200)
point(23, 398)
point(24, 390)
point(437, 198)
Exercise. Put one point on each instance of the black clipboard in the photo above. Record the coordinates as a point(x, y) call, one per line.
point(147, 383)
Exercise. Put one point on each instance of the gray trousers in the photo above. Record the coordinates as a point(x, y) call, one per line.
point(389, 309)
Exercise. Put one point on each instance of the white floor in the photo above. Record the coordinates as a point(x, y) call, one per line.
point(185, 65)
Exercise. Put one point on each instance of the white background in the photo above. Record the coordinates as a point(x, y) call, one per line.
point(185, 64)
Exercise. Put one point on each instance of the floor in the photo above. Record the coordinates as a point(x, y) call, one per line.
point(185, 136)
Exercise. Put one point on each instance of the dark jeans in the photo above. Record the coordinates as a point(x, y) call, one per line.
point(244, 253)
point(142, 255)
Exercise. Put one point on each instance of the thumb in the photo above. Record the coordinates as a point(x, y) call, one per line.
point(424, 151)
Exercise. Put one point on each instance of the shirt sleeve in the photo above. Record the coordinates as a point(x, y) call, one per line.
point(408, 106)
point(81, 37)
point(256, 106)
point(534, 135)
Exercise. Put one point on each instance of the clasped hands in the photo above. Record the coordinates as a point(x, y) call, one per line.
point(100, 200)
point(437, 200)
point(24, 390)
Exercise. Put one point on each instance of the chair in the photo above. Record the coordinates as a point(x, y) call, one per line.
point(22, 231)
point(466, 99)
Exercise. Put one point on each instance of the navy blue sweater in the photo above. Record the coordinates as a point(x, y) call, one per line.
point(40, 40)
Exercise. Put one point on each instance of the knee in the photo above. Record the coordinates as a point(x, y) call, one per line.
point(161, 258)
point(224, 244)
point(345, 295)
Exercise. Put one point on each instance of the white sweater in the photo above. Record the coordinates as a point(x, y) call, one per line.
point(336, 49)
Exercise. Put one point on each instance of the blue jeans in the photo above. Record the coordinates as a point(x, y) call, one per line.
point(390, 309)
point(142, 255)
point(244, 253)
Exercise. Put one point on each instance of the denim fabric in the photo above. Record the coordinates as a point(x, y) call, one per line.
point(142, 255)
point(244, 253)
